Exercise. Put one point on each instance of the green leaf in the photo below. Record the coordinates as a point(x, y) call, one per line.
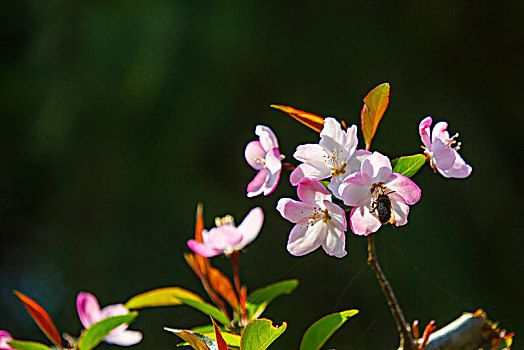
point(259, 334)
point(92, 336)
point(167, 296)
point(260, 298)
point(208, 328)
point(195, 340)
point(375, 104)
point(408, 165)
point(232, 340)
point(319, 332)
point(27, 345)
point(208, 310)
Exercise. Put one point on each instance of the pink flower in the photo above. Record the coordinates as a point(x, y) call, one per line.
point(226, 238)
point(318, 221)
point(4, 338)
point(335, 156)
point(442, 150)
point(378, 196)
point(89, 312)
point(265, 157)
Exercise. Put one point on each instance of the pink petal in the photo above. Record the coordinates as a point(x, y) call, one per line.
point(354, 191)
point(88, 309)
point(222, 237)
point(439, 132)
point(256, 186)
point(314, 154)
point(334, 243)
point(114, 310)
point(273, 161)
point(332, 136)
point(253, 152)
point(376, 168)
point(124, 338)
point(405, 188)
point(459, 170)
point(312, 192)
point(362, 222)
point(424, 131)
point(4, 338)
point(400, 209)
point(271, 183)
point(304, 239)
point(337, 214)
point(267, 137)
point(294, 211)
point(250, 227)
point(202, 249)
point(355, 162)
point(443, 156)
point(307, 170)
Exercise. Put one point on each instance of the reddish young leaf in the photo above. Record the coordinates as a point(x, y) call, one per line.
point(222, 345)
point(375, 104)
point(41, 318)
point(315, 122)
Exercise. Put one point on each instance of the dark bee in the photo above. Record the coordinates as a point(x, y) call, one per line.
point(382, 204)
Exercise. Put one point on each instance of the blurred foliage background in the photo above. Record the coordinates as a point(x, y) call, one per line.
point(119, 117)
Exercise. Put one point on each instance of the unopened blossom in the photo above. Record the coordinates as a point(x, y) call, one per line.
point(4, 338)
point(362, 191)
point(264, 156)
point(335, 156)
point(441, 149)
point(319, 222)
point(226, 238)
point(89, 312)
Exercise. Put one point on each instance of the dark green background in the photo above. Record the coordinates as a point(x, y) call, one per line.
point(119, 117)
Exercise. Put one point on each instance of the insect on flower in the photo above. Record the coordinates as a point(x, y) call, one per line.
point(382, 204)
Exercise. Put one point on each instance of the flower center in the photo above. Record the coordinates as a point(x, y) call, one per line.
point(226, 220)
point(317, 215)
point(377, 189)
point(335, 160)
point(452, 143)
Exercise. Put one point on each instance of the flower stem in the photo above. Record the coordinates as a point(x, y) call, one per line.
point(241, 294)
point(406, 341)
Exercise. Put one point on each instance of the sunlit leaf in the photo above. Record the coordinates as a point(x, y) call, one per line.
point(208, 328)
point(27, 345)
point(408, 165)
point(259, 334)
point(260, 298)
point(94, 335)
point(375, 104)
point(221, 343)
point(167, 296)
point(207, 309)
point(195, 340)
point(232, 340)
point(41, 318)
point(320, 331)
point(315, 122)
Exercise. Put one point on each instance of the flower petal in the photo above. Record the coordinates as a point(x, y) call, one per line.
point(267, 137)
point(362, 222)
point(314, 154)
point(400, 209)
point(124, 338)
point(256, 186)
point(334, 243)
point(353, 191)
point(376, 168)
point(202, 249)
point(312, 192)
point(337, 214)
point(440, 132)
point(250, 227)
point(332, 136)
point(304, 239)
point(4, 338)
point(222, 237)
point(114, 310)
point(405, 188)
point(308, 170)
point(271, 183)
point(443, 156)
point(294, 211)
point(88, 309)
point(424, 131)
point(459, 170)
point(351, 141)
point(253, 152)
point(355, 162)
point(273, 161)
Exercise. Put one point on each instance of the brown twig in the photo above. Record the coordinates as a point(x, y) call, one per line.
point(406, 341)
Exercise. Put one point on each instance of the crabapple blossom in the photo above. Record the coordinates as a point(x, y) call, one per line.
point(362, 189)
point(319, 222)
point(4, 338)
point(335, 156)
point(442, 150)
point(264, 156)
point(89, 312)
point(226, 238)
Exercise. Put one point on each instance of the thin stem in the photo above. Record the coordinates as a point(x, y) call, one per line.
point(406, 341)
point(236, 277)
